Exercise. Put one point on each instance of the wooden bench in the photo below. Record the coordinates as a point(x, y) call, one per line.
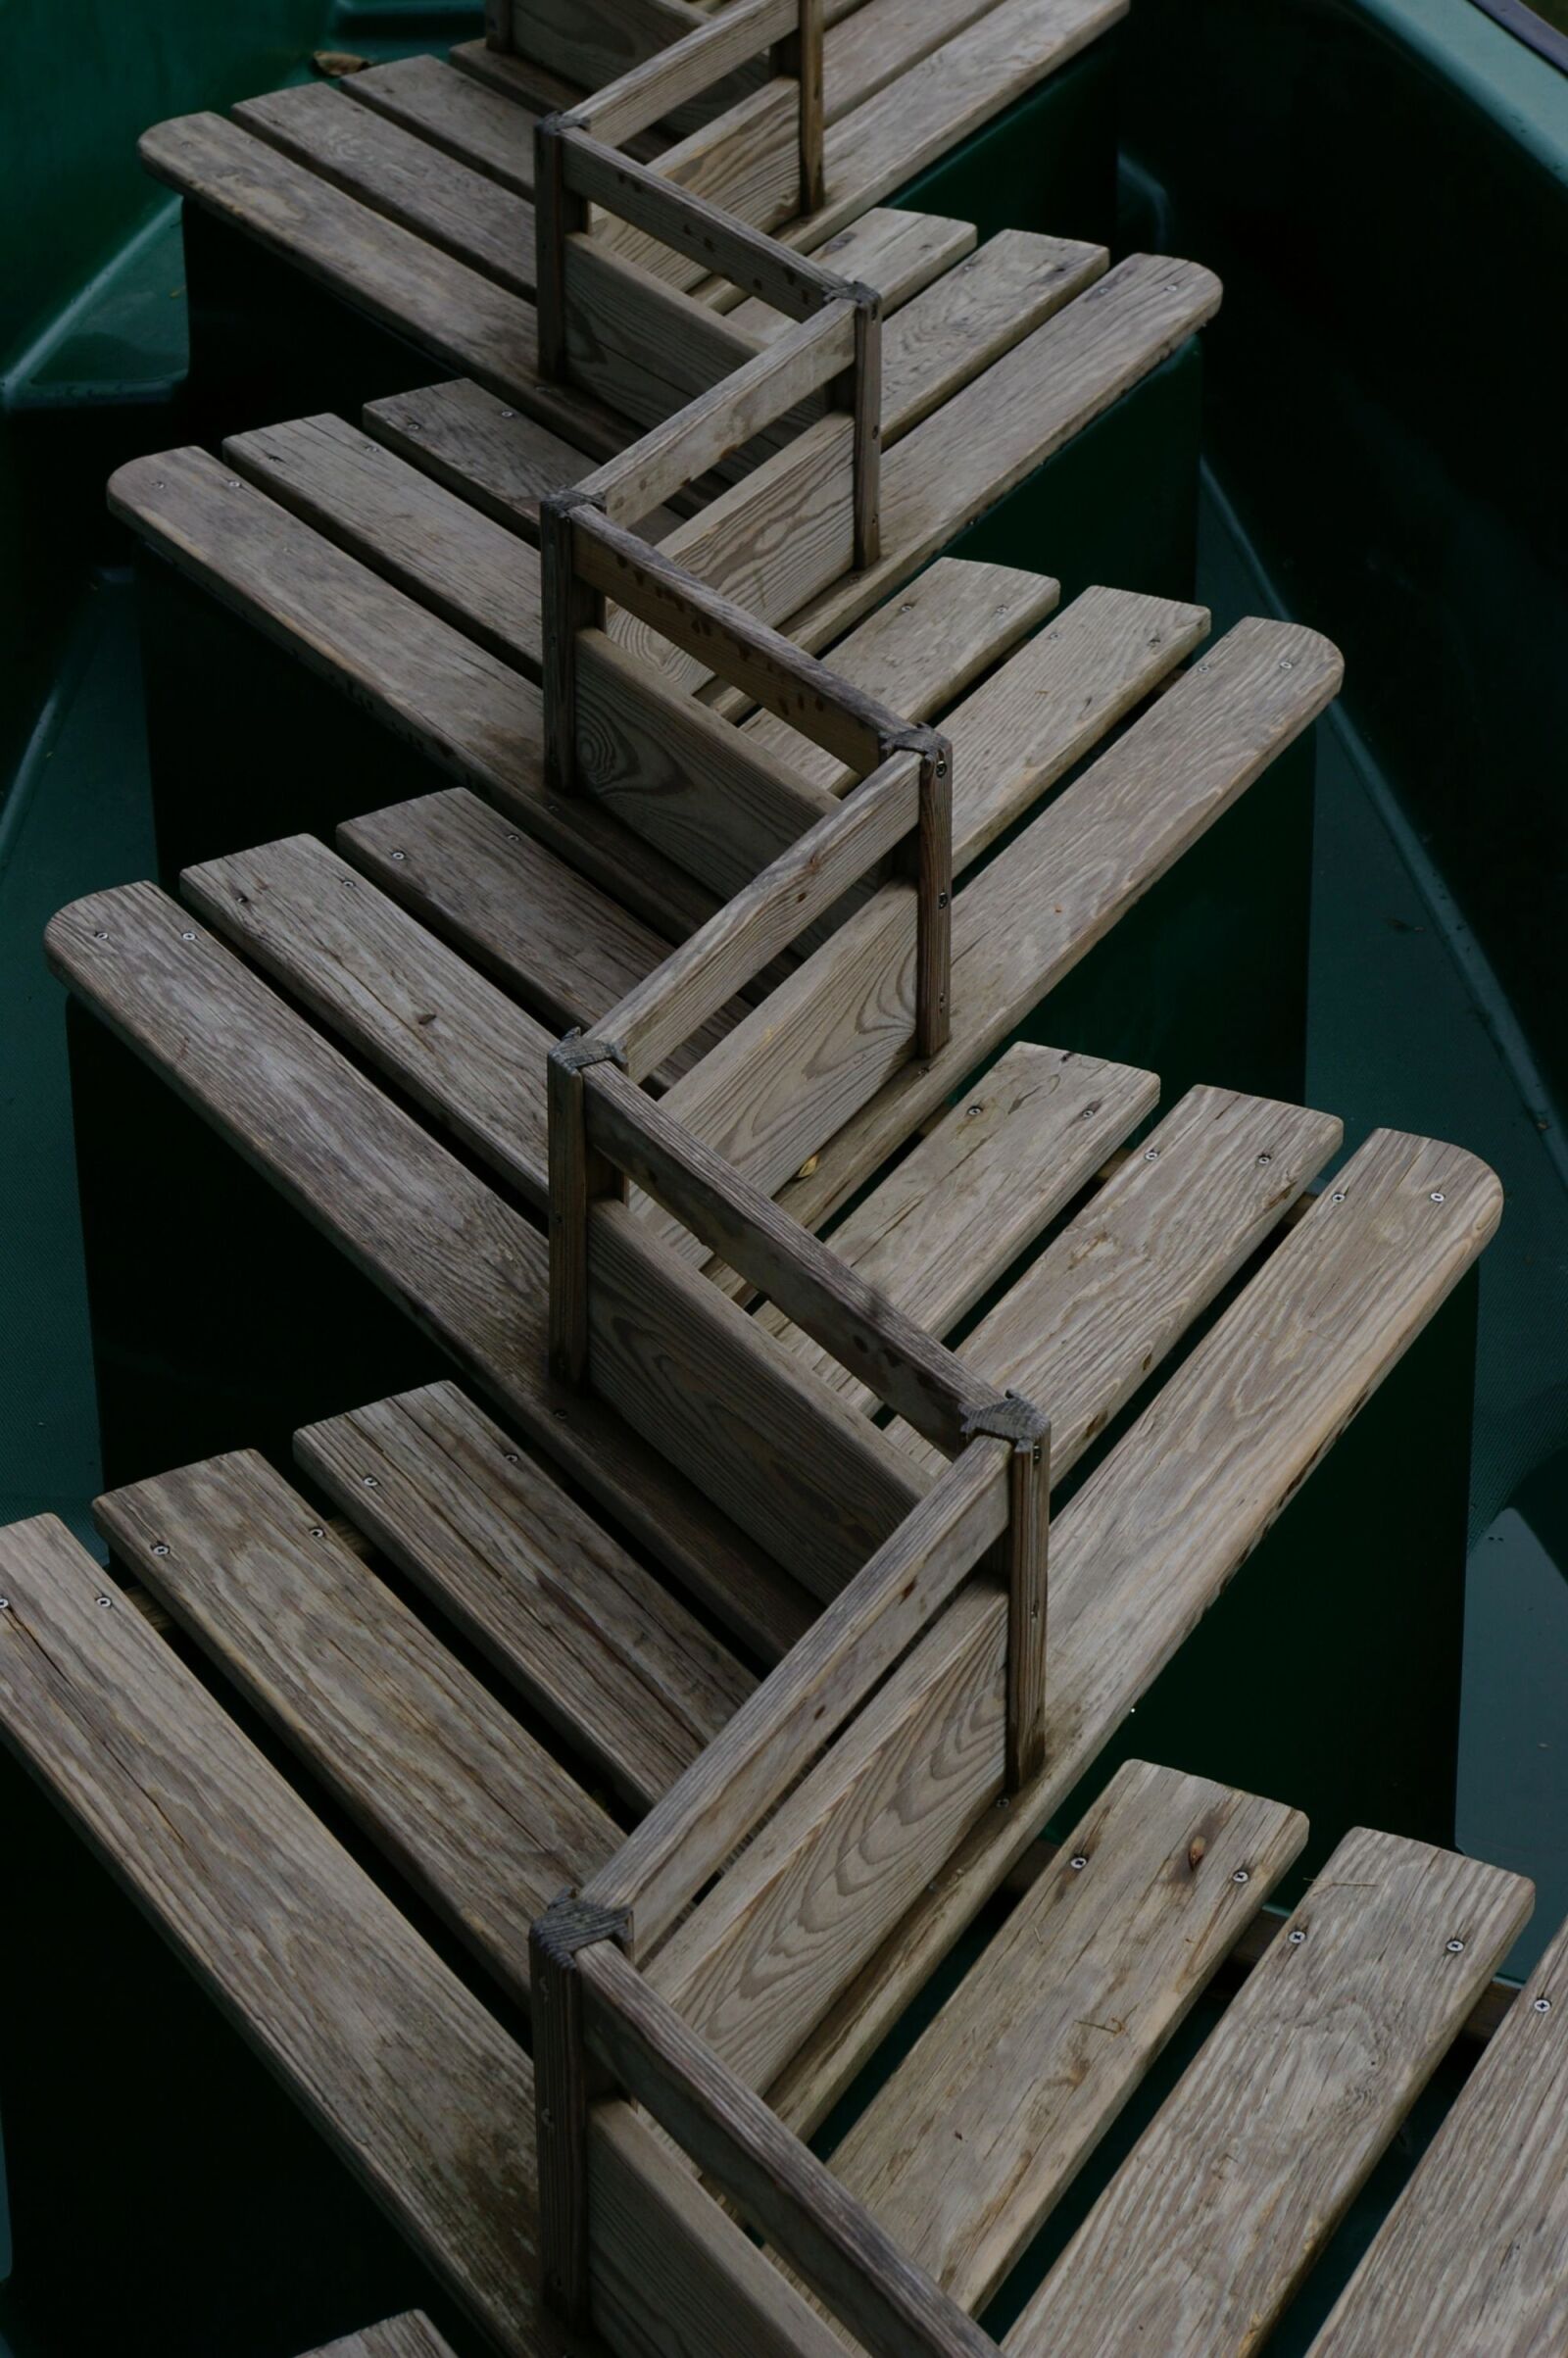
point(340, 235)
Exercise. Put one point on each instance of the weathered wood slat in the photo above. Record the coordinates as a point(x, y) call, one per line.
point(1110, 1297)
point(423, 2093)
point(1028, 919)
point(974, 314)
point(975, 1194)
point(778, 1090)
point(409, 2336)
point(407, 1212)
point(485, 449)
point(423, 680)
point(586, 1635)
point(472, 571)
point(1228, 2197)
point(422, 1755)
point(1469, 2262)
point(897, 253)
point(400, 997)
point(455, 114)
point(557, 943)
point(966, 2148)
point(396, 173)
point(1147, 1545)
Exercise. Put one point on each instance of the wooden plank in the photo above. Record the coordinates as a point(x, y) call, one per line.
point(919, 651)
point(1146, 1547)
point(890, 2305)
point(555, 941)
point(474, 573)
point(780, 543)
point(967, 2147)
point(1029, 917)
point(1469, 2260)
point(974, 1195)
point(411, 2336)
point(800, 1708)
point(1115, 1292)
point(425, 681)
point(649, 77)
point(436, 1771)
point(898, 252)
point(453, 113)
point(638, 345)
point(569, 1618)
point(816, 1485)
point(465, 1266)
point(1227, 2198)
point(373, 264)
point(417, 2088)
point(974, 314)
point(412, 1006)
point(485, 449)
point(462, 211)
point(776, 1092)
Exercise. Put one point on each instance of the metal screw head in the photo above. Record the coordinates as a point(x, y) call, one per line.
point(1265, 1156)
point(973, 1109)
point(1242, 1875)
point(369, 1482)
point(509, 412)
point(511, 1457)
point(187, 936)
point(1456, 1948)
point(160, 1546)
point(231, 482)
point(1078, 1862)
point(1287, 663)
point(1296, 1937)
point(1337, 1196)
point(5, 1604)
point(1437, 1196)
point(1541, 2005)
point(105, 1600)
point(1151, 1154)
point(400, 854)
point(100, 937)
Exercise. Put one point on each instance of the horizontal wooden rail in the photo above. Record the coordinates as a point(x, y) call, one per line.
point(906, 1367)
point(890, 2305)
point(719, 1802)
point(651, 92)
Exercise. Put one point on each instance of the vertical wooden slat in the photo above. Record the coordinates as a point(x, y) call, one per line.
point(577, 1177)
point(933, 883)
point(800, 55)
point(560, 2097)
point(866, 410)
point(1027, 1546)
point(568, 605)
point(558, 212)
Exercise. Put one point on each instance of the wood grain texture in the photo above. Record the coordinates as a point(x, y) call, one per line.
point(409, 1005)
point(453, 113)
point(497, 460)
point(1028, 919)
point(1469, 2262)
point(439, 1774)
point(891, 2306)
point(396, 173)
point(974, 314)
point(562, 947)
point(411, 2336)
point(1111, 1296)
point(420, 678)
point(583, 1631)
point(472, 571)
point(420, 2091)
point(937, 1233)
point(965, 2150)
point(779, 1089)
point(1155, 1534)
point(787, 1722)
point(636, 344)
point(465, 1266)
point(1204, 2232)
point(896, 252)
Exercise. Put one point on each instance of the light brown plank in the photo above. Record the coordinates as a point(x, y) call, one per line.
point(412, 2336)
point(483, 448)
point(1228, 2197)
point(425, 2097)
point(456, 1044)
point(972, 1196)
point(455, 114)
point(1155, 1534)
point(438, 1772)
point(472, 571)
point(558, 944)
point(897, 253)
point(1469, 2262)
point(1111, 1296)
point(467, 1268)
point(974, 314)
point(965, 2150)
point(462, 211)
point(577, 1625)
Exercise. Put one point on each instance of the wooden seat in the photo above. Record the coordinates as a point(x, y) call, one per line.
point(407, 191)
point(409, 2336)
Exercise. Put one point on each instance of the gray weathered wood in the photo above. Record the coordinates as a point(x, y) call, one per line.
point(966, 2149)
point(1469, 2262)
point(411, 2336)
point(590, 1638)
point(1228, 2197)
point(566, 1928)
point(438, 1773)
point(453, 113)
point(486, 450)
